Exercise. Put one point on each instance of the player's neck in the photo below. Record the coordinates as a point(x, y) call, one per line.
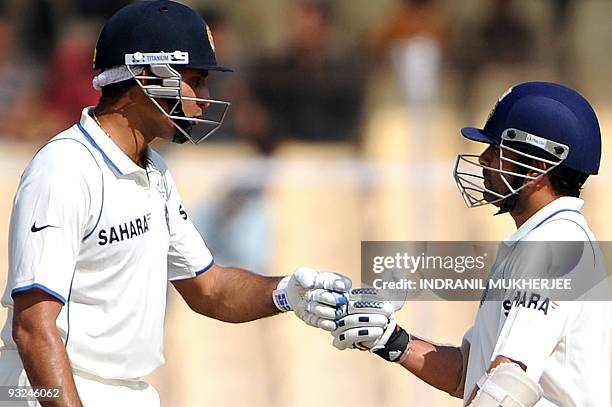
point(125, 132)
point(526, 207)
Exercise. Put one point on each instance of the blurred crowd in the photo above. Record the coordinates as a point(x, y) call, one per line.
point(314, 83)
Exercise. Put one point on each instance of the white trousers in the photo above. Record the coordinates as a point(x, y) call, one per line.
point(93, 391)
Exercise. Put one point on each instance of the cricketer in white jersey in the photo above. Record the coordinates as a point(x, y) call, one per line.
point(98, 229)
point(565, 345)
point(526, 347)
point(103, 236)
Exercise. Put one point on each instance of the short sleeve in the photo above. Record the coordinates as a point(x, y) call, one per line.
point(531, 333)
point(188, 255)
point(537, 316)
point(50, 218)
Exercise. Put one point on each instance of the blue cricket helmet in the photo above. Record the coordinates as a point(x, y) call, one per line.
point(164, 37)
point(550, 111)
point(153, 27)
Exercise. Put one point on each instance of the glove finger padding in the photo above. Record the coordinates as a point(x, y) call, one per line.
point(305, 277)
point(326, 297)
point(360, 320)
point(315, 297)
point(368, 323)
point(321, 310)
point(350, 337)
point(333, 282)
point(367, 307)
point(313, 320)
point(373, 294)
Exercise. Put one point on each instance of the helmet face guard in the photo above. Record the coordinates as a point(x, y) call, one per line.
point(164, 82)
point(469, 173)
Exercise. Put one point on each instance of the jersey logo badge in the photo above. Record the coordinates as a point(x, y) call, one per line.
point(161, 188)
point(35, 229)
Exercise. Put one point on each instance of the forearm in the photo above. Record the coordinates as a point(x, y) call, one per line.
point(231, 294)
point(244, 296)
point(40, 346)
point(438, 365)
point(46, 364)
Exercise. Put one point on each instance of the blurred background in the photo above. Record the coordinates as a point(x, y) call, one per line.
point(344, 127)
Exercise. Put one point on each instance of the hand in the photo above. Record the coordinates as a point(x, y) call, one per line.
point(315, 297)
point(369, 324)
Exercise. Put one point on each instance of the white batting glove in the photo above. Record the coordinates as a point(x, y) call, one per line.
point(369, 324)
point(315, 297)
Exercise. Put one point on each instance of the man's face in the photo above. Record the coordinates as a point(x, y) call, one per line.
point(193, 85)
point(195, 116)
point(492, 179)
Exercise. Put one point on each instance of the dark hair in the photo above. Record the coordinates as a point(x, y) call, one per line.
point(563, 180)
point(566, 182)
point(113, 92)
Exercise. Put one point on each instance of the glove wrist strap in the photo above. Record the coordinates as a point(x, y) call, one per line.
point(396, 345)
point(279, 296)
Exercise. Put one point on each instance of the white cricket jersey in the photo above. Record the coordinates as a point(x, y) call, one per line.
point(564, 344)
point(103, 236)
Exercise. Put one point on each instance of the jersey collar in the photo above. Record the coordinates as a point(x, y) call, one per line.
point(562, 204)
point(113, 155)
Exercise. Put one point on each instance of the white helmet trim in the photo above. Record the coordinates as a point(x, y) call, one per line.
point(114, 75)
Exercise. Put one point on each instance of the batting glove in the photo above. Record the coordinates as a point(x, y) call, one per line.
point(369, 324)
point(315, 297)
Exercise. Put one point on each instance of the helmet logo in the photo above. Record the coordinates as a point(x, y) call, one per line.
point(210, 38)
point(506, 93)
point(535, 141)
